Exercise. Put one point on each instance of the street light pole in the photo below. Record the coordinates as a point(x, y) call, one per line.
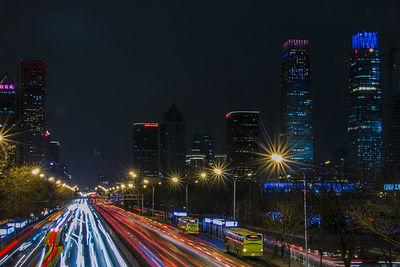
point(142, 203)
point(234, 199)
point(305, 218)
point(153, 202)
point(187, 197)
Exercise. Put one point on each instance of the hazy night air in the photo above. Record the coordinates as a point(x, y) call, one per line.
point(109, 66)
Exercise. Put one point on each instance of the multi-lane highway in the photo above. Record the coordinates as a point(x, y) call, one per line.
point(78, 236)
point(157, 244)
point(87, 242)
point(74, 236)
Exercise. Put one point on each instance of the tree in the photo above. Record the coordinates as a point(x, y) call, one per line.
point(23, 193)
point(379, 215)
point(285, 220)
point(336, 223)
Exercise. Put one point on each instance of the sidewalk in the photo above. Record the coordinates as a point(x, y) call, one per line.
point(278, 260)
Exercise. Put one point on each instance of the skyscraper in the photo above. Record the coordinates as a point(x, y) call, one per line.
point(394, 108)
point(33, 83)
point(242, 136)
point(146, 149)
point(296, 104)
point(10, 114)
point(364, 127)
point(172, 141)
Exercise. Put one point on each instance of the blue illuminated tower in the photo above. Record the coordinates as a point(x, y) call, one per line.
point(364, 126)
point(296, 104)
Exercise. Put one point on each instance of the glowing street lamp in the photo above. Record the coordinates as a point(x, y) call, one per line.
point(175, 179)
point(35, 171)
point(133, 174)
point(130, 185)
point(218, 171)
point(203, 175)
point(41, 175)
point(277, 158)
point(145, 181)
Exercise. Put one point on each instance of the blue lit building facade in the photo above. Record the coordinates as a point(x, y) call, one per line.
point(296, 104)
point(364, 127)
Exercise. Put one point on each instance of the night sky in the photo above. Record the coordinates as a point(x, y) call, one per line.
point(112, 63)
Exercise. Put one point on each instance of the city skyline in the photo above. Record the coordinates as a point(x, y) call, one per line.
point(81, 105)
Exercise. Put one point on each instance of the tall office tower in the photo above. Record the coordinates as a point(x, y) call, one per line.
point(146, 149)
point(172, 140)
point(243, 136)
point(10, 116)
point(394, 108)
point(296, 104)
point(33, 83)
point(364, 126)
point(204, 145)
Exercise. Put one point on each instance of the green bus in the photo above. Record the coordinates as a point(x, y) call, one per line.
point(188, 225)
point(243, 242)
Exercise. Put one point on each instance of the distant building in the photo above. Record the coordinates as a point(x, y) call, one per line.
point(172, 142)
point(10, 115)
point(104, 181)
point(204, 145)
point(364, 126)
point(296, 104)
point(146, 149)
point(243, 137)
point(54, 150)
point(33, 85)
point(394, 108)
point(196, 161)
point(220, 158)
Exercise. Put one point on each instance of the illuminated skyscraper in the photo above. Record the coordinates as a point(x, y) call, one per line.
point(394, 107)
point(242, 136)
point(364, 127)
point(33, 83)
point(10, 115)
point(146, 149)
point(296, 104)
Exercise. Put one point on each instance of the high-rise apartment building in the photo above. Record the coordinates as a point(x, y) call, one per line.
point(242, 136)
point(172, 142)
point(146, 149)
point(296, 104)
point(364, 126)
point(33, 85)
